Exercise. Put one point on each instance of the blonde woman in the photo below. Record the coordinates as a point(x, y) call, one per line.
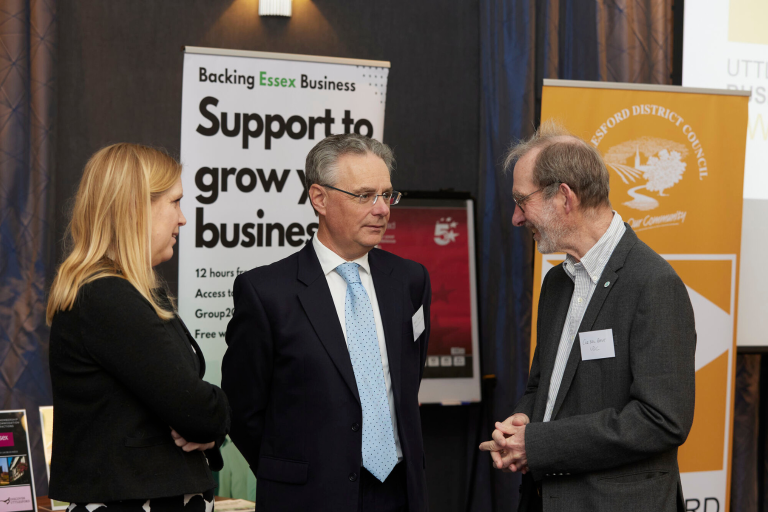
point(136, 428)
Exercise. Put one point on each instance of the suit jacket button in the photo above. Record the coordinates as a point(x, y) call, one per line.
point(355, 427)
point(352, 477)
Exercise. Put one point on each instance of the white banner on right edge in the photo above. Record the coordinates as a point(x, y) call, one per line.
point(725, 46)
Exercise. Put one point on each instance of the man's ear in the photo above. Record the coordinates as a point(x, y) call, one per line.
point(570, 199)
point(319, 198)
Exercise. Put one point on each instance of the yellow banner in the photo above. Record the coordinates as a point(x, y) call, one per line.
point(676, 164)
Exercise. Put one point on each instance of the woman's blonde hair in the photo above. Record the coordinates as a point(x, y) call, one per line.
point(110, 230)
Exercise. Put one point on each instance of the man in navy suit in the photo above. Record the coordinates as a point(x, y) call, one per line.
point(326, 350)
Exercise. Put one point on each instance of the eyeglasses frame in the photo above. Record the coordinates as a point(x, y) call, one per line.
point(521, 201)
point(394, 197)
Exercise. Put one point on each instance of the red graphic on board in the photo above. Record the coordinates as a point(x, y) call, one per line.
point(6, 439)
point(438, 239)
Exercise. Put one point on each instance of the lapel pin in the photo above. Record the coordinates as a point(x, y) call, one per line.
point(607, 283)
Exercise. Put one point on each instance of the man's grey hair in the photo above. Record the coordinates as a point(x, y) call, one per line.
point(564, 158)
point(322, 161)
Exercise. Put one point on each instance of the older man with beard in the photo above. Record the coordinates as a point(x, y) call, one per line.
point(601, 419)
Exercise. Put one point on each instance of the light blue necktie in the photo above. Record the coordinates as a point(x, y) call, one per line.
point(379, 452)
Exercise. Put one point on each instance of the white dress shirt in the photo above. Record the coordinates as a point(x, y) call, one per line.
point(329, 260)
point(585, 275)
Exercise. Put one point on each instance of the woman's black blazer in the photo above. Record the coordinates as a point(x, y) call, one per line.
point(122, 378)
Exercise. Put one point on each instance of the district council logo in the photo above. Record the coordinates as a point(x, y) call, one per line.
point(653, 163)
point(659, 162)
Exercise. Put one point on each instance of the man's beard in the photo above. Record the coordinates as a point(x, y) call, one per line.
point(551, 232)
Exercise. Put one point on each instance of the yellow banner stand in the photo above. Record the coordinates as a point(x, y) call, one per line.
point(676, 161)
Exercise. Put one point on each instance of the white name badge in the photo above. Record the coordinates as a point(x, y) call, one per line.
point(418, 323)
point(596, 344)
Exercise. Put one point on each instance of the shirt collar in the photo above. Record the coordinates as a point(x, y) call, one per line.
point(597, 257)
point(329, 260)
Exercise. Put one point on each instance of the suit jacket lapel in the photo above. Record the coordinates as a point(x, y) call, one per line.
point(549, 338)
point(177, 325)
point(601, 292)
point(574, 358)
point(193, 341)
point(318, 304)
point(389, 297)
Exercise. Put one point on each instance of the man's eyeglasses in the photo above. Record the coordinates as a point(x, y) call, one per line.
point(392, 198)
point(521, 200)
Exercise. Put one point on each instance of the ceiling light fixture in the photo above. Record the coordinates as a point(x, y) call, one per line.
point(275, 8)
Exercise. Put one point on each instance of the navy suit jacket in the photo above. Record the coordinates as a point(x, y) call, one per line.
point(296, 413)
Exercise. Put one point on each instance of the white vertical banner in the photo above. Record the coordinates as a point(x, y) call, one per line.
point(725, 45)
point(248, 120)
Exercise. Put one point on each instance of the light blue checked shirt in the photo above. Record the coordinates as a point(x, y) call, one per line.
point(585, 275)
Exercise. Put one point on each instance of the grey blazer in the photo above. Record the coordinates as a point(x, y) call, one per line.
point(612, 441)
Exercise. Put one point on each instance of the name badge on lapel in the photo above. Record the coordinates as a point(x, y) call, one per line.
point(596, 344)
point(418, 323)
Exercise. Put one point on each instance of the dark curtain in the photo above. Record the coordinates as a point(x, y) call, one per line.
point(746, 419)
point(749, 466)
point(761, 483)
point(507, 107)
point(27, 113)
point(522, 42)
